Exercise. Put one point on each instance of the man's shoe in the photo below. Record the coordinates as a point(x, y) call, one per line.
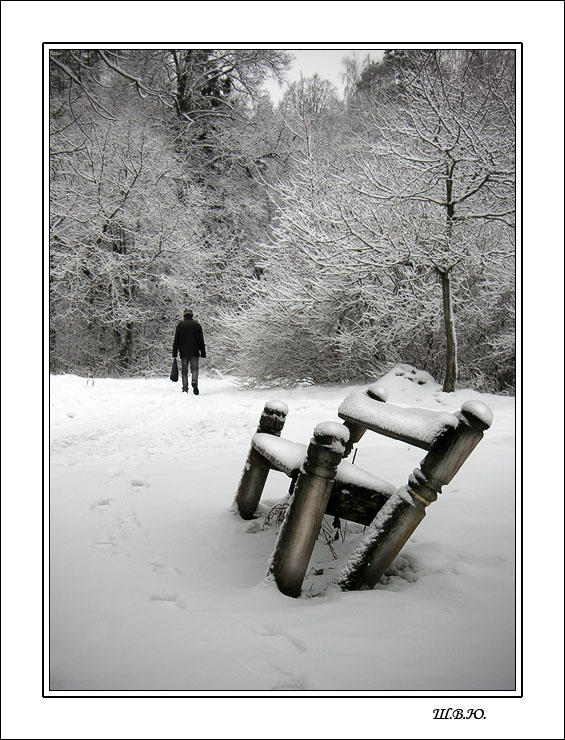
point(185, 390)
point(195, 389)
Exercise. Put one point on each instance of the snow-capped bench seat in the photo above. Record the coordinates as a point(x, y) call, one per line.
point(419, 427)
point(357, 495)
point(288, 457)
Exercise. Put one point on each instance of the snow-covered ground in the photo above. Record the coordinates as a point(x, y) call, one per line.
point(156, 585)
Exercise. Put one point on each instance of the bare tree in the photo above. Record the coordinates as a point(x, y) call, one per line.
point(124, 234)
point(152, 198)
point(440, 137)
point(366, 220)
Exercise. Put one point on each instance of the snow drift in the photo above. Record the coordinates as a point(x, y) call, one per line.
point(155, 584)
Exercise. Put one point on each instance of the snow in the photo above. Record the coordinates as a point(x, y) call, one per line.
point(480, 411)
point(288, 456)
point(331, 429)
point(285, 455)
point(355, 476)
point(279, 407)
point(156, 585)
point(378, 392)
point(420, 426)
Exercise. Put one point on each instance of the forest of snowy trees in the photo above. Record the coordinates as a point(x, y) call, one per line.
point(319, 240)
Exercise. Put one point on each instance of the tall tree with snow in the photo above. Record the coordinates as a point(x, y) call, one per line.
point(437, 141)
point(151, 203)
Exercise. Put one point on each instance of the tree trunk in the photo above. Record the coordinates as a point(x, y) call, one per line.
point(450, 337)
point(445, 275)
point(124, 340)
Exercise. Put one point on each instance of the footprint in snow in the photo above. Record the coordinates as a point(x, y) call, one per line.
point(254, 528)
point(290, 681)
point(167, 600)
point(283, 638)
point(139, 483)
point(130, 521)
point(101, 505)
point(163, 569)
point(103, 541)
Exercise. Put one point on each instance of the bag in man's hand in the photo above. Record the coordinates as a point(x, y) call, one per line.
point(175, 370)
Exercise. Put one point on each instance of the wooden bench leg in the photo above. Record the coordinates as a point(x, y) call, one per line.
point(304, 517)
point(402, 513)
point(256, 468)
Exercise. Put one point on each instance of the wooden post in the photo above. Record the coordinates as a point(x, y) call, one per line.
point(376, 393)
point(256, 468)
point(304, 517)
point(402, 513)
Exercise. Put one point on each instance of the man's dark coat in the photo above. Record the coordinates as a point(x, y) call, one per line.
point(189, 339)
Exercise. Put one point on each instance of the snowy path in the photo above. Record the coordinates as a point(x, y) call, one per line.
point(156, 585)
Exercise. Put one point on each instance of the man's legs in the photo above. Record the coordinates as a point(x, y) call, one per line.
point(194, 372)
point(184, 372)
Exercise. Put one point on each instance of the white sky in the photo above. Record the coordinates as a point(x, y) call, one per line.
point(325, 62)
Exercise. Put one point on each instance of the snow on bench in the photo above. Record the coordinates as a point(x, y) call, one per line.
point(287, 457)
point(283, 454)
point(324, 484)
point(419, 427)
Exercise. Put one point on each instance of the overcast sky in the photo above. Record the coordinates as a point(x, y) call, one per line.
point(325, 62)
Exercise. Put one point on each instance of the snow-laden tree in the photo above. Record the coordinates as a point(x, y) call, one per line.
point(152, 199)
point(369, 222)
point(436, 142)
point(335, 299)
point(124, 245)
point(197, 84)
point(303, 308)
point(125, 232)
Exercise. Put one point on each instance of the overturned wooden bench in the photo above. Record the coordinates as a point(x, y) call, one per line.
point(323, 482)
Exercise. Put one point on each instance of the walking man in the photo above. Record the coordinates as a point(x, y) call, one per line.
point(189, 341)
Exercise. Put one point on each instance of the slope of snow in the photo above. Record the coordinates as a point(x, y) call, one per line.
point(156, 585)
